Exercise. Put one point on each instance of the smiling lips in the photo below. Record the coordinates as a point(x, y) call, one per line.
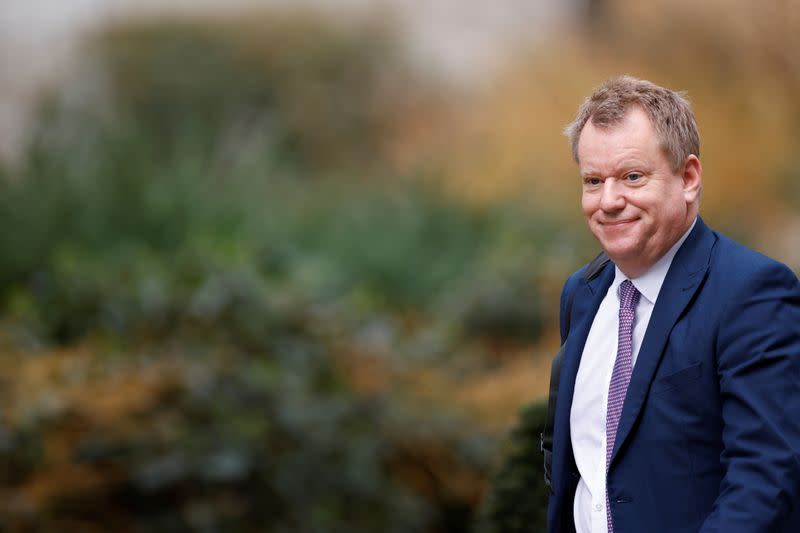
point(617, 223)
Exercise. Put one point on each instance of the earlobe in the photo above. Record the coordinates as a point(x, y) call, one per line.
point(692, 178)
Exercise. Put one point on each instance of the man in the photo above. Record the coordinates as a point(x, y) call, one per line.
point(679, 398)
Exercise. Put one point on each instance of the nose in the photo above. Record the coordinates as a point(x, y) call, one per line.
point(611, 196)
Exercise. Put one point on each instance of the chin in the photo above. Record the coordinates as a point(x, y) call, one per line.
point(620, 252)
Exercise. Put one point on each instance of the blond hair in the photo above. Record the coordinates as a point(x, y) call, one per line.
point(669, 111)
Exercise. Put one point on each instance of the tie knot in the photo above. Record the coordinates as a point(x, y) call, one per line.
point(628, 295)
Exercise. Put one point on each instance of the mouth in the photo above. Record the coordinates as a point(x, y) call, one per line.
point(617, 223)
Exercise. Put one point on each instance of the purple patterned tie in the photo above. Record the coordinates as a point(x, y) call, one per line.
point(621, 375)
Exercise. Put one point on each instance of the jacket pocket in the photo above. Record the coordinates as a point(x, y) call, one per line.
point(682, 377)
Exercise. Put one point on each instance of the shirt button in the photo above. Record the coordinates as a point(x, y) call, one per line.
point(598, 507)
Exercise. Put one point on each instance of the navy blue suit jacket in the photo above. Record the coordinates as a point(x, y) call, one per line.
point(709, 436)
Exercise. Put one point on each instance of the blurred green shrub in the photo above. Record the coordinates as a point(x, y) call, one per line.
point(504, 307)
point(156, 268)
point(516, 501)
point(146, 197)
point(314, 95)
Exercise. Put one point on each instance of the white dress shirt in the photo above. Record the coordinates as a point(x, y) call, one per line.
point(589, 401)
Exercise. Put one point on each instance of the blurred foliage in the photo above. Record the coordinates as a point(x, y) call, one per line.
point(251, 295)
point(308, 95)
point(195, 442)
point(517, 500)
point(219, 318)
point(99, 250)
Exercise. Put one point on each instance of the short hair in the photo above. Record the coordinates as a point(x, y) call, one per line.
point(669, 111)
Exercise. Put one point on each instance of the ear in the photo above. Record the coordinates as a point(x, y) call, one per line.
point(692, 179)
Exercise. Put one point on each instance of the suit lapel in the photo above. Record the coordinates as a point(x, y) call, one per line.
point(685, 275)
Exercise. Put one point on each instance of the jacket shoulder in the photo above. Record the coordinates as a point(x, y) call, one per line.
point(587, 272)
point(736, 261)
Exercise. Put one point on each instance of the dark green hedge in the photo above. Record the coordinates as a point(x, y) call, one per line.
point(517, 498)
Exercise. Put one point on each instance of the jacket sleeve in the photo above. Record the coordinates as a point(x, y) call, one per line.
point(758, 357)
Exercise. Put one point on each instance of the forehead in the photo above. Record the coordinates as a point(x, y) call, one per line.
point(632, 140)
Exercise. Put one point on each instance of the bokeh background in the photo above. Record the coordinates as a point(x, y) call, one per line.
point(294, 266)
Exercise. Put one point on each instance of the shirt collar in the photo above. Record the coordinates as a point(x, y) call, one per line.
point(649, 284)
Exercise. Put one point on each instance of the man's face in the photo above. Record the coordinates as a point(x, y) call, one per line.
point(634, 204)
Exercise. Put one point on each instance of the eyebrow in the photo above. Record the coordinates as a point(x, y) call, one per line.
point(624, 167)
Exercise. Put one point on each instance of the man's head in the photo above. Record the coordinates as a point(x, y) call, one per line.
point(669, 112)
point(637, 148)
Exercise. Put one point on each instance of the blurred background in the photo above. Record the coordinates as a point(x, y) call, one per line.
point(295, 265)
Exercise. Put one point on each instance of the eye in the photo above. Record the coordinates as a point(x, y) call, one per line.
point(633, 176)
point(591, 181)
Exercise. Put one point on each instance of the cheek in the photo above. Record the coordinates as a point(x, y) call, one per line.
point(588, 205)
point(649, 205)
